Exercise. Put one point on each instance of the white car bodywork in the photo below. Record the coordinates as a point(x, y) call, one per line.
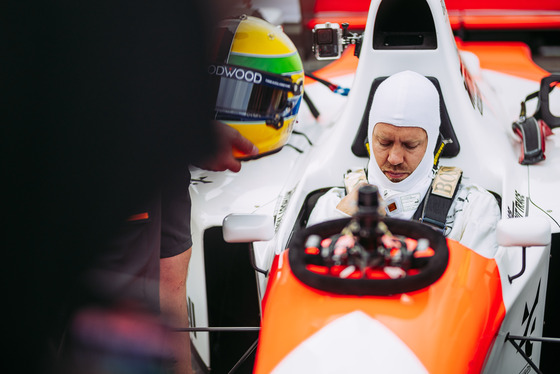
point(277, 185)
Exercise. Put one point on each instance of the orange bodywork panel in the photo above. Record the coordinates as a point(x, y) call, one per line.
point(346, 64)
point(513, 58)
point(450, 325)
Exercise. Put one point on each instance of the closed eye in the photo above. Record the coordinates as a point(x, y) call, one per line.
point(411, 145)
point(384, 143)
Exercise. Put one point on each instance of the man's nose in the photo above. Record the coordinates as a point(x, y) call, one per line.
point(396, 155)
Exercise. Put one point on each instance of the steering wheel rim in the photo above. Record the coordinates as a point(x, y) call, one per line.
point(431, 272)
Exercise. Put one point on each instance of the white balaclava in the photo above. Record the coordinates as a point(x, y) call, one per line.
point(405, 99)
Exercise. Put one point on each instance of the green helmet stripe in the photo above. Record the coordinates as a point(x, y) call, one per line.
point(278, 65)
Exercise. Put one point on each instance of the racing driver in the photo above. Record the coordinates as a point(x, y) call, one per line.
point(403, 131)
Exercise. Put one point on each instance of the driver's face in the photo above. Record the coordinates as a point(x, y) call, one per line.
point(398, 150)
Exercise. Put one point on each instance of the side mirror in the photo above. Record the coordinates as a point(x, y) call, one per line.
point(543, 107)
point(523, 232)
point(247, 228)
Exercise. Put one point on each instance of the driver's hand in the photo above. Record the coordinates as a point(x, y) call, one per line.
point(349, 203)
point(228, 139)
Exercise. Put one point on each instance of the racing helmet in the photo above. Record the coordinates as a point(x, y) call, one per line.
point(257, 77)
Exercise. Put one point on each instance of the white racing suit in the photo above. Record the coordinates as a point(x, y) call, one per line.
point(471, 220)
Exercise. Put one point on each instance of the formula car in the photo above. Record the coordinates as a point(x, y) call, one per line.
point(259, 297)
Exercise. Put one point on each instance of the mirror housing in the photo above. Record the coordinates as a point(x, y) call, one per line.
point(523, 232)
point(543, 107)
point(247, 228)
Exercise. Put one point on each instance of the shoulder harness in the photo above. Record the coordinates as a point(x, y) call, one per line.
point(437, 202)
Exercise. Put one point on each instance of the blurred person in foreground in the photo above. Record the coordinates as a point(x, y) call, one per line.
point(258, 97)
point(104, 103)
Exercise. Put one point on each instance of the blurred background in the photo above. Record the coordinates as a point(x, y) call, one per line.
point(536, 23)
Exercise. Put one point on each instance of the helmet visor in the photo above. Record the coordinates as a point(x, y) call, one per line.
point(251, 94)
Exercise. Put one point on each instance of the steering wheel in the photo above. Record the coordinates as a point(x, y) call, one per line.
point(331, 274)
